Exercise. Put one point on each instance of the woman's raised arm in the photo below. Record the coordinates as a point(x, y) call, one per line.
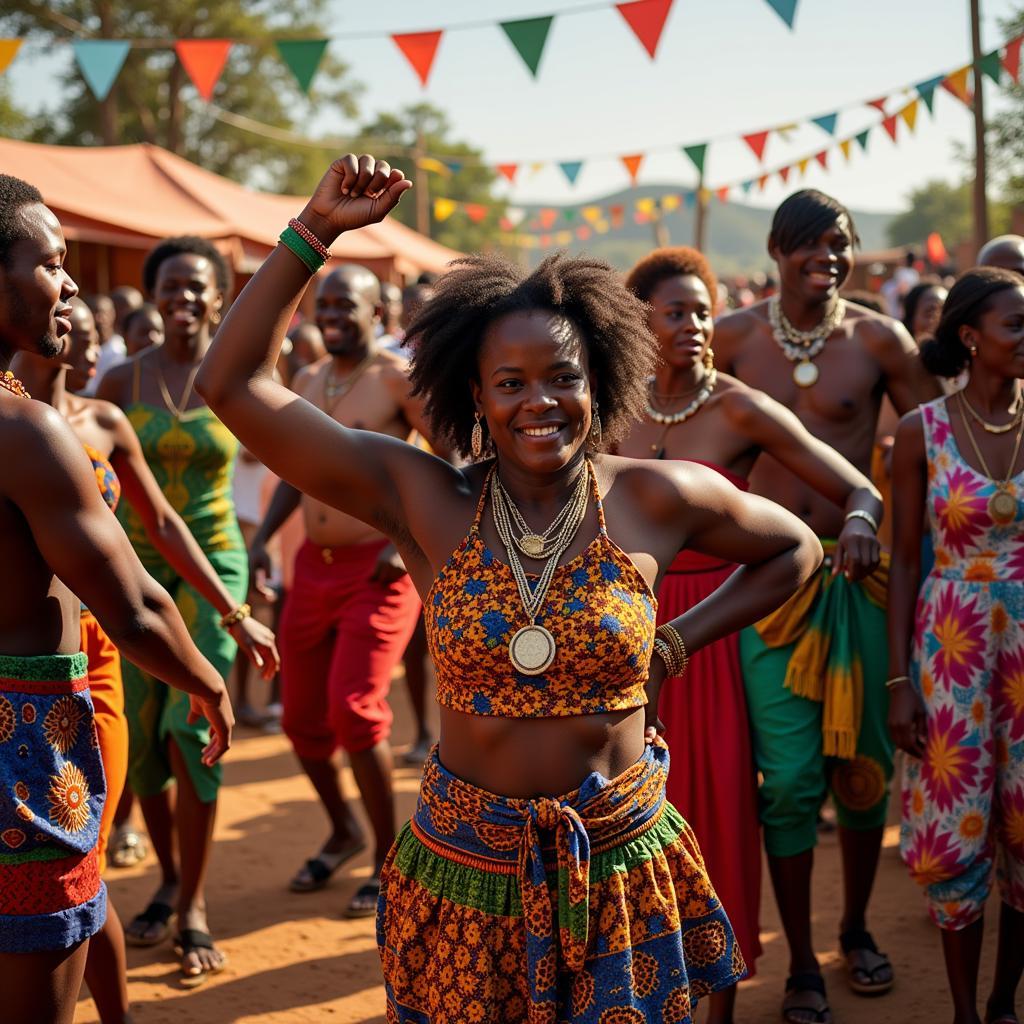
point(356, 471)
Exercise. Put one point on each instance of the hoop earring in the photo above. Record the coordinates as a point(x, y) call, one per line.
point(709, 358)
point(476, 437)
point(215, 317)
point(595, 428)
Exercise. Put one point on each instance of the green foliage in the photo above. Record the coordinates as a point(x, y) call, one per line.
point(1006, 129)
point(396, 137)
point(14, 123)
point(939, 206)
point(153, 101)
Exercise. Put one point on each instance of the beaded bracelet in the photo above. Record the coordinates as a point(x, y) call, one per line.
point(860, 513)
point(291, 239)
point(304, 232)
point(890, 684)
point(662, 649)
point(669, 635)
point(243, 611)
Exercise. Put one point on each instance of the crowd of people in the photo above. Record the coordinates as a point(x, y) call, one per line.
point(610, 517)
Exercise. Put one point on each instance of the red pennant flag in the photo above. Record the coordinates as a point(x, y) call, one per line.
point(617, 212)
point(889, 124)
point(822, 158)
point(757, 142)
point(784, 175)
point(508, 171)
point(723, 194)
point(647, 19)
point(583, 232)
point(506, 225)
point(632, 164)
point(1011, 59)
point(762, 181)
point(420, 49)
point(545, 241)
point(475, 211)
point(547, 218)
point(203, 61)
point(935, 250)
point(878, 104)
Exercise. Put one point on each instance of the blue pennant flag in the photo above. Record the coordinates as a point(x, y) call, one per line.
point(571, 170)
point(100, 61)
point(785, 9)
point(827, 122)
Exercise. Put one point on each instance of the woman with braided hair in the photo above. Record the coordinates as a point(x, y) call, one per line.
point(544, 875)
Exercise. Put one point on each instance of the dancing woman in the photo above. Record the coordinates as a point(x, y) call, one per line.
point(537, 569)
point(956, 658)
point(697, 414)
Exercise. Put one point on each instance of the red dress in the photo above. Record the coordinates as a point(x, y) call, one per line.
point(712, 780)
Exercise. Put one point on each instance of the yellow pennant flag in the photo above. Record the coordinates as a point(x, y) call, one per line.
point(784, 130)
point(844, 146)
point(956, 83)
point(601, 227)
point(536, 167)
point(646, 205)
point(8, 51)
point(563, 238)
point(909, 114)
point(705, 196)
point(670, 202)
point(592, 214)
point(802, 165)
point(428, 163)
point(444, 208)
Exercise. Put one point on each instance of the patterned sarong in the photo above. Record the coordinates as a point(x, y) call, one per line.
point(591, 908)
point(51, 798)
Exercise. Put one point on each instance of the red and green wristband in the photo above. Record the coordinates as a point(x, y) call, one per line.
point(304, 244)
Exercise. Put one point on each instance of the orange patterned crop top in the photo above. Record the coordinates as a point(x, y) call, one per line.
point(599, 609)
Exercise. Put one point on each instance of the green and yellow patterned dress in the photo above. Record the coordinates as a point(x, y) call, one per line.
point(192, 458)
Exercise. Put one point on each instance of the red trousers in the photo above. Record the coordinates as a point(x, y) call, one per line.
point(341, 637)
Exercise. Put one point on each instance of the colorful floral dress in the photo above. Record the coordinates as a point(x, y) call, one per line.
point(963, 802)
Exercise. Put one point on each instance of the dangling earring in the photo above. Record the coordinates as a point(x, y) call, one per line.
point(215, 317)
point(974, 351)
point(709, 358)
point(595, 428)
point(476, 437)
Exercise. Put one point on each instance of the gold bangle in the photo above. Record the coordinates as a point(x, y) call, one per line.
point(891, 683)
point(860, 513)
point(235, 616)
point(670, 635)
point(662, 649)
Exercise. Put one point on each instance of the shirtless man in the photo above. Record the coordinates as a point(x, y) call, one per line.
point(1005, 251)
point(352, 607)
point(59, 546)
point(833, 378)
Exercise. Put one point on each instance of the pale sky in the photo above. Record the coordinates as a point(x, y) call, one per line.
point(723, 68)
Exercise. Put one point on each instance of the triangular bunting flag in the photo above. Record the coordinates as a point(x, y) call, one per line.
point(762, 181)
point(991, 65)
point(505, 224)
point(563, 238)
point(909, 114)
point(443, 209)
point(632, 164)
point(420, 49)
point(697, 155)
point(822, 158)
point(8, 51)
point(434, 166)
point(508, 171)
point(879, 104)
point(704, 195)
point(203, 61)
point(723, 194)
point(785, 9)
point(303, 57)
point(617, 213)
point(547, 217)
point(583, 232)
point(785, 130)
point(889, 124)
point(601, 227)
point(862, 139)
point(569, 215)
point(475, 211)
point(784, 174)
point(647, 19)
point(926, 90)
point(545, 241)
point(454, 166)
point(571, 169)
point(641, 218)
point(690, 199)
point(956, 84)
point(747, 186)
point(528, 36)
point(592, 213)
point(757, 142)
point(802, 165)
point(1011, 59)
point(827, 123)
point(647, 204)
point(100, 61)
point(536, 167)
point(670, 202)
point(844, 147)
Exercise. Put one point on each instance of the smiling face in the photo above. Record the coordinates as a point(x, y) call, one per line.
point(186, 294)
point(82, 350)
point(681, 319)
point(999, 336)
point(35, 289)
point(534, 390)
point(347, 313)
point(816, 269)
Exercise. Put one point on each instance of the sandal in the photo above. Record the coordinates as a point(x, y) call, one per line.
point(127, 847)
point(188, 940)
point(364, 900)
point(317, 871)
point(864, 962)
point(158, 913)
point(805, 1001)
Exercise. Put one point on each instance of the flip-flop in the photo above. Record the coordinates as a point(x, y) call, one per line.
point(862, 957)
point(364, 900)
point(188, 940)
point(321, 867)
point(156, 913)
point(805, 1002)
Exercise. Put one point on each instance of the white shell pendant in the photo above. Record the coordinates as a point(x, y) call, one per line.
point(531, 650)
point(805, 374)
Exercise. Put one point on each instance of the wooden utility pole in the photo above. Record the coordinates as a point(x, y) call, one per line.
point(700, 214)
point(980, 174)
point(659, 227)
point(420, 177)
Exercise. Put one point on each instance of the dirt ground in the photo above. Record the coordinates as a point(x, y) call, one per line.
point(293, 958)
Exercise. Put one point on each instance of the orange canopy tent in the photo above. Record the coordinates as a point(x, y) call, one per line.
point(114, 202)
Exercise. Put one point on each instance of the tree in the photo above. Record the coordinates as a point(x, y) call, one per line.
point(424, 130)
point(153, 100)
point(14, 122)
point(945, 208)
point(1006, 130)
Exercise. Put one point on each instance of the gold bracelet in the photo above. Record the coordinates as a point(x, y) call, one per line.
point(243, 611)
point(891, 683)
point(860, 513)
point(670, 635)
point(662, 649)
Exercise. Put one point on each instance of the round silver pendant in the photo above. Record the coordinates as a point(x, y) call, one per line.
point(805, 374)
point(1002, 507)
point(531, 650)
point(531, 544)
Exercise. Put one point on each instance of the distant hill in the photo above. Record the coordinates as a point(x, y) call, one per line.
point(736, 233)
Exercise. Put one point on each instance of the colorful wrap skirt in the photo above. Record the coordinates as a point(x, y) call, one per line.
point(51, 798)
point(591, 908)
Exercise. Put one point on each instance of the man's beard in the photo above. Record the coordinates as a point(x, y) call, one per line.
point(48, 344)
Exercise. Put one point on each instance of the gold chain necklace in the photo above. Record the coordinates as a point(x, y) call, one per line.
point(536, 545)
point(532, 648)
point(177, 411)
point(334, 393)
point(1002, 506)
point(11, 383)
point(992, 428)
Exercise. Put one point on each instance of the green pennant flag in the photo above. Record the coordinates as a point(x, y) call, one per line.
point(569, 215)
point(528, 36)
point(862, 139)
point(991, 65)
point(303, 57)
point(697, 155)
